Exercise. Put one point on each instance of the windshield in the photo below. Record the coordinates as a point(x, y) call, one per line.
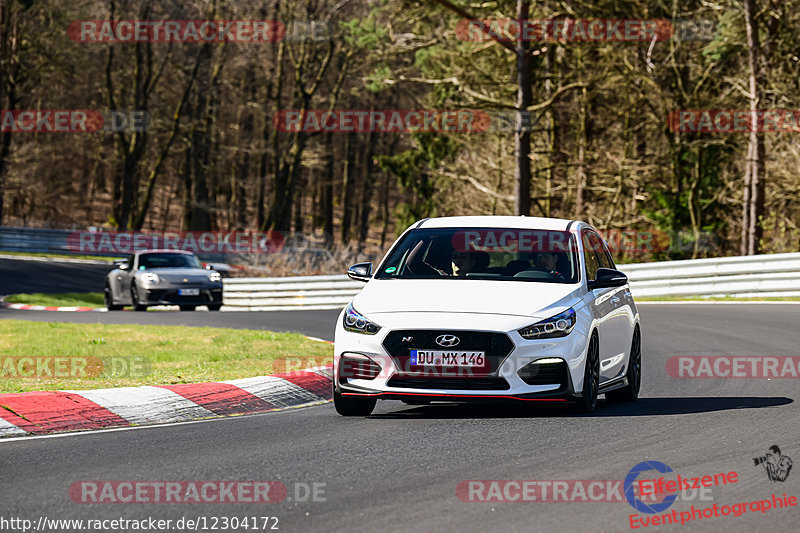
point(484, 253)
point(167, 260)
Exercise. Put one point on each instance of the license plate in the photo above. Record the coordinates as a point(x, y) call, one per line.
point(188, 292)
point(447, 358)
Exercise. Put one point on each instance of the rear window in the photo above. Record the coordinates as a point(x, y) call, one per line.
point(484, 253)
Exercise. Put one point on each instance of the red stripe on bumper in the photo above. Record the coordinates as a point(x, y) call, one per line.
point(500, 396)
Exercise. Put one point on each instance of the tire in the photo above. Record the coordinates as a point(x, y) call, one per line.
point(187, 307)
point(214, 307)
point(135, 299)
point(634, 374)
point(591, 377)
point(108, 298)
point(353, 406)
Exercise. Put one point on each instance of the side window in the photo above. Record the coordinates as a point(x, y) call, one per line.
point(589, 256)
point(603, 259)
point(130, 262)
point(610, 258)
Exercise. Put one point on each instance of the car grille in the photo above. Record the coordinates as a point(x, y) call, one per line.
point(544, 374)
point(449, 383)
point(496, 347)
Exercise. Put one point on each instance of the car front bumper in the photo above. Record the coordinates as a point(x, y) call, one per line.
point(511, 377)
point(171, 296)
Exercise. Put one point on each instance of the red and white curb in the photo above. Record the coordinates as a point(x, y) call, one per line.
point(39, 413)
point(26, 307)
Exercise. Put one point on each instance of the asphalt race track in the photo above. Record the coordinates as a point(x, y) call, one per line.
point(18, 276)
point(398, 470)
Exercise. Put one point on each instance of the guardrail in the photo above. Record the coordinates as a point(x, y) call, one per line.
point(750, 276)
point(281, 294)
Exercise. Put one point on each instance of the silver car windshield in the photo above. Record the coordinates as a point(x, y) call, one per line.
point(484, 253)
point(168, 260)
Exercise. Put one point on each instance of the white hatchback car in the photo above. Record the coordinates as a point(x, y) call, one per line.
point(489, 308)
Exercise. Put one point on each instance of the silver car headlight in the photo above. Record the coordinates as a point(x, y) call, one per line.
point(150, 277)
point(560, 325)
point(358, 323)
point(214, 276)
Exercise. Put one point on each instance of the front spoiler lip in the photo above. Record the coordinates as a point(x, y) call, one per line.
point(562, 396)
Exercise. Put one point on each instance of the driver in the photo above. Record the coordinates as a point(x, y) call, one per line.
point(462, 263)
point(549, 262)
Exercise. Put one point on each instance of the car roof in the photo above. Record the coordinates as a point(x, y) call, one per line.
point(494, 221)
point(160, 251)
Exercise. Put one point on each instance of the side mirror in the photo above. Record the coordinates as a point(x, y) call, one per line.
point(209, 267)
point(608, 277)
point(360, 272)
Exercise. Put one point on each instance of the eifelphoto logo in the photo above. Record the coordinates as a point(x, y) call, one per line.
point(72, 121)
point(734, 121)
point(196, 31)
point(656, 495)
point(775, 463)
point(80, 367)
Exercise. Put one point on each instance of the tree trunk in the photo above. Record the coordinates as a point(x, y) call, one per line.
point(522, 139)
point(755, 151)
point(347, 189)
point(580, 171)
point(367, 188)
point(9, 58)
point(327, 192)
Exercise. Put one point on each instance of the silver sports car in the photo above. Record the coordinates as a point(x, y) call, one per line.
point(162, 277)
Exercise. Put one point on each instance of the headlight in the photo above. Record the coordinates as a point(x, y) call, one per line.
point(560, 325)
point(150, 277)
point(214, 276)
point(357, 323)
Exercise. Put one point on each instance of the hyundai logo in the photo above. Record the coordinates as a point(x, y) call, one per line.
point(447, 340)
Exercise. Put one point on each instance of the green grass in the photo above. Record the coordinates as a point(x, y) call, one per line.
point(162, 355)
point(63, 256)
point(716, 299)
point(67, 299)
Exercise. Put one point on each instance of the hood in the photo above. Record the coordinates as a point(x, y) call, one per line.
point(179, 274)
point(521, 298)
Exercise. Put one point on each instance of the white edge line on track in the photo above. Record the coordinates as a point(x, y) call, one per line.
point(154, 426)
